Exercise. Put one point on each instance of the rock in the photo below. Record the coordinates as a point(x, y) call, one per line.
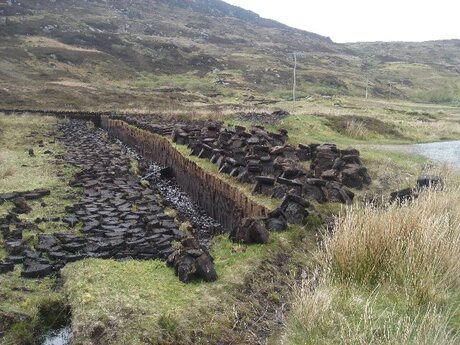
point(251, 231)
point(355, 176)
point(349, 151)
point(186, 269)
point(31, 152)
point(14, 247)
point(206, 152)
point(294, 209)
point(430, 182)
point(8, 196)
point(276, 221)
point(264, 185)
point(335, 193)
point(329, 175)
point(191, 261)
point(324, 159)
point(303, 153)
point(351, 159)
point(14, 259)
point(5, 230)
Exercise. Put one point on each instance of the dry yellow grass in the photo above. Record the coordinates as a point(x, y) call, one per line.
point(41, 41)
point(6, 170)
point(416, 245)
point(386, 276)
point(356, 129)
point(72, 83)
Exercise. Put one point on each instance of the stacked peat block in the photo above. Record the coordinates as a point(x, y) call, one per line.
point(16, 246)
point(423, 183)
point(275, 168)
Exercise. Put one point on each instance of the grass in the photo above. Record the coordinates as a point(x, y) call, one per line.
point(388, 275)
point(19, 133)
point(22, 297)
point(153, 306)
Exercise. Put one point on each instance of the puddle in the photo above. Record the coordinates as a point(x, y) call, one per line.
point(444, 152)
point(61, 336)
point(447, 152)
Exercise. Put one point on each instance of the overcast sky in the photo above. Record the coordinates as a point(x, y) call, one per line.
point(361, 20)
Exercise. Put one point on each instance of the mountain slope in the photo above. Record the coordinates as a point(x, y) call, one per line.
point(139, 53)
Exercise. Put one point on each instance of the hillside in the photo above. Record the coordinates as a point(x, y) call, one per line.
point(159, 54)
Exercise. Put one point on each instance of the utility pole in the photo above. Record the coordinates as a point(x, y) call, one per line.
point(295, 80)
point(367, 87)
point(294, 86)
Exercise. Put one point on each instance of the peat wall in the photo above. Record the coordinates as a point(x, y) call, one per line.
point(218, 198)
point(81, 115)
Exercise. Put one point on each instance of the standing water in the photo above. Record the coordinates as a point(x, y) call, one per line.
point(62, 336)
point(444, 152)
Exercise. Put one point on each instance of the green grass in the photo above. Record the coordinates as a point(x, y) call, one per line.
point(152, 305)
point(22, 296)
point(351, 314)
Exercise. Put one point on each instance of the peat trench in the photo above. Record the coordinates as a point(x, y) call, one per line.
point(116, 218)
point(122, 219)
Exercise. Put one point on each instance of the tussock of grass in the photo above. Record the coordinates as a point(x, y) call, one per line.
point(349, 315)
point(356, 129)
point(389, 275)
point(416, 246)
point(6, 170)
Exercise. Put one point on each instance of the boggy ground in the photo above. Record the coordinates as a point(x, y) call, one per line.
point(247, 305)
point(152, 305)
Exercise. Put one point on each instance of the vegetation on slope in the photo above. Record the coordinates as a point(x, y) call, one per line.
point(128, 54)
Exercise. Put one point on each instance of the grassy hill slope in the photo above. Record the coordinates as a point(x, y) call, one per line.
point(158, 54)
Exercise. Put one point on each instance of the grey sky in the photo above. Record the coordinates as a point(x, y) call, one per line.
point(361, 20)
